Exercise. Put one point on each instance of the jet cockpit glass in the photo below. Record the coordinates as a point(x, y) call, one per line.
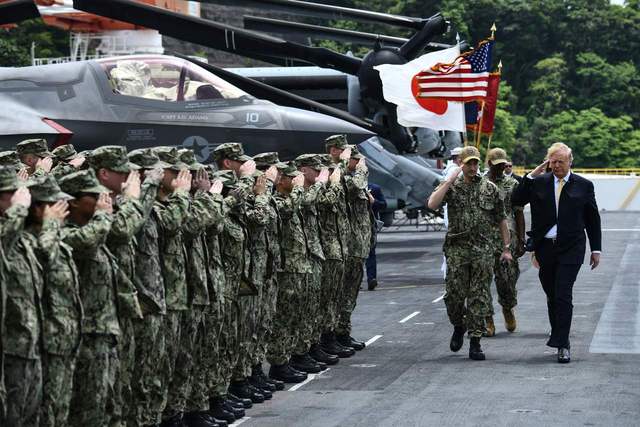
point(166, 79)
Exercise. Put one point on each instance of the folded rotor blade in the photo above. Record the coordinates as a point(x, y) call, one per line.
point(215, 35)
point(278, 96)
point(17, 10)
point(325, 11)
point(436, 25)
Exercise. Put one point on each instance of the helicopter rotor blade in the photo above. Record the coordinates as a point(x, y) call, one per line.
point(17, 10)
point(281, 97)
point(436, 25)
point(325, 11)
point(215, 35)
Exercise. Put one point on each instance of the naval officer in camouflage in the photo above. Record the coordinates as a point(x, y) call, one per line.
point(35, 154)
point(475, 209)
point(22, 290)
point(506, 273)
point(61, 304)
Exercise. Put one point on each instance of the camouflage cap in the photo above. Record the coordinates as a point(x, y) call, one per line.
point(9, 179)
point(11, 159)
point(355, 152)
point(469, 153)
point(289, 170)
point(496, 156)
point(265, 160)
point(327, 160)
point(231, 151)
point(145, 158)
point(64, 152)
point(309, 160)
point(170, 156)
point(46, 189)
point(338, 141)
point(112, 157)
point(37, 146)
point(228, 178)
point(83, 181)
point(188, 157)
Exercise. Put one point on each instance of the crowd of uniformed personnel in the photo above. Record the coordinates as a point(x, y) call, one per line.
point(144, 288)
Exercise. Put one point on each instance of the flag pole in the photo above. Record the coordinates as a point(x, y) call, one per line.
point(479, 131)
point(464, 116)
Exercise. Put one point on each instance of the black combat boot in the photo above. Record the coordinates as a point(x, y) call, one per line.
point(217, 410)
point(241, 389)
point(349, 341)
point(475, 351)
point(277, 385)
point(457, 339)
point(238, 402)
point(331, 346)
point(237, 411)
point(200, 419)
point(257, 379)
point(285, 374)
point(319, 355)
point(175, 421)
point(301, 363)
point(266, 393)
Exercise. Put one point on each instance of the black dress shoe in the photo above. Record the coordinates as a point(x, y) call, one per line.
point(285, 374)
point(475, 351)
point(240, 402)
point(349, 341)
point(217, 410)
point(564, 355)
point(300, 363)
point(372, 284)
point(319, 355)
point(236, 411)
point(199, 419)
point(457, 339)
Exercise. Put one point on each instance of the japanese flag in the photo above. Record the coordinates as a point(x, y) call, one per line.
point(413, 111)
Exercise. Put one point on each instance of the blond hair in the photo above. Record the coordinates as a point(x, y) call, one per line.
point(557, 147)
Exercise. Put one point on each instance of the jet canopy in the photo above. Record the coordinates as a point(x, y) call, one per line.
point(166, 78)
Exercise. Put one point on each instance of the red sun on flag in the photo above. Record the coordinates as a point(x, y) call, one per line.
point(436, 106)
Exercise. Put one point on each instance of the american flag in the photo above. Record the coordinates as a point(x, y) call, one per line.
point(463, 80)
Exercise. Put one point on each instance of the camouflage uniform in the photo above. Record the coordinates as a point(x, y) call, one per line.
point(474, 210)
point(11, 160)
point(269, 289)
point(506, 273)
point(171, 214)
point(94, 394)
point(150, 357)
point(37, 147)
point(359, 242)
point(309, 298)
point(294, 268)
point(22, 334)
point(334, 225)
point(128, 219)
point(61, 156)
point(61, 306)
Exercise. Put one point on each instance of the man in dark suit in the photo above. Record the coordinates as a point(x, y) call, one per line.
point(378, 204)
point(563, 206)
point(508, 171)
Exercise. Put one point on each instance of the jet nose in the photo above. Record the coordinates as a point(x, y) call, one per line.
point(323, 126)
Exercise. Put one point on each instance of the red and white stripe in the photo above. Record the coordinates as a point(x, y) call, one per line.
point(453, 82)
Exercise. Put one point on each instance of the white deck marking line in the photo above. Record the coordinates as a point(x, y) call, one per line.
point(240, 421)
point(440, 298)
point(414, 314)
point(372, 340)
point(310, 378)
point(621, 229)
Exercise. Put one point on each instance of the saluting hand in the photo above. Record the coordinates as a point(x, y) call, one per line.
point(22, 197)
point(260, 187)
point(58, 211)
point(216, 187)
point(323, 177)
point(335, 176)
point(346, 154)
point(182, 181)
point(454, 175)
point(77, 162)
point(45, 164)
point(247, 168)
point(23, 175)
point(298, 181)
point(104, 203)
point(271, 173)
point(131, 187)
point(540, 169)
point(362, 165)
point(202, 182)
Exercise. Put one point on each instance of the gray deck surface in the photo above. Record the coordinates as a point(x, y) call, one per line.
point(408, 377)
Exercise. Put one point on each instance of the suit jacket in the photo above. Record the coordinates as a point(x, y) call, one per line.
point(577, 212)
point(380, 203)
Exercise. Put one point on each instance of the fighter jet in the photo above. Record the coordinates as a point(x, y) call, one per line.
point(150, 100)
